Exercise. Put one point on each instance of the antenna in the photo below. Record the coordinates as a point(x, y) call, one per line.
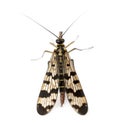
point(72, 23)
point(41, 26)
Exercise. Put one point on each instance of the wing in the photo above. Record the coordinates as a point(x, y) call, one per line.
point(49, 89)
point(74, 90)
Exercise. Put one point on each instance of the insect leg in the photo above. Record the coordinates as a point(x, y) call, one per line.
point(46, 51)
point(42, 55)
point(80, 49)
point(72, 42)
point(69, 44)
point(53, 44)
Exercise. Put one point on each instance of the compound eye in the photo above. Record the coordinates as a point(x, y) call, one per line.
point(60, 41)
point(57, 41)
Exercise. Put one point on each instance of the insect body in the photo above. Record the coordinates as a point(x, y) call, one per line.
point(61, 76)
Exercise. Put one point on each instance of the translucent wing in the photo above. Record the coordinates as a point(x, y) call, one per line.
point(74, 90)
point(49, 89)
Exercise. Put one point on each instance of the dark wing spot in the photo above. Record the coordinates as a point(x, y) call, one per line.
point(55, 77)
point(47, 82)
point(76, 81)
point(44, 93)
point(41, 110)
point(49, 74)
point(72, 73)
point(81, 110)
point(53, 65)
point(78, 93)
point(66, 76)
point(68, 64)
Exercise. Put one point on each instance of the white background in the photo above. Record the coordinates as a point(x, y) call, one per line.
point(22, 40)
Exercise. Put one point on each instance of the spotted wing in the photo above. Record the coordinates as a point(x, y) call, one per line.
point(49, 89)
point(74, 90)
